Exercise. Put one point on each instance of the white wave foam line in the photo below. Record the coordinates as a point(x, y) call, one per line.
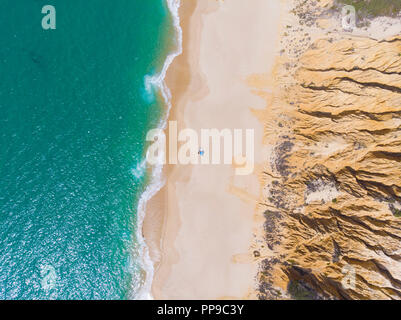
point(157, 181)
point(139, 170)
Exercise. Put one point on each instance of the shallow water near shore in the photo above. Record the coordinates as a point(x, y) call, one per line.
point(74, 115)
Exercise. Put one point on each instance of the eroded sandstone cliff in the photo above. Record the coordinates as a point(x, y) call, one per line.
point(332, 195)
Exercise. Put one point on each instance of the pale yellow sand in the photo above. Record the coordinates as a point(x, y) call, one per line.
point(200, 226)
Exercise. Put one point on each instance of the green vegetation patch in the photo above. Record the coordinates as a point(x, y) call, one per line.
point(299, 291)
point(374, 8)
point(397, 213)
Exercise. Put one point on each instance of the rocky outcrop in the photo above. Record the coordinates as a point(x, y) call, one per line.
point(332, 194)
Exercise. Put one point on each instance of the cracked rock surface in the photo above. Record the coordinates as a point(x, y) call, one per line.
point(332, 195)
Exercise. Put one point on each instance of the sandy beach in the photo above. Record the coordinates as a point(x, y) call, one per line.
point(201, 226)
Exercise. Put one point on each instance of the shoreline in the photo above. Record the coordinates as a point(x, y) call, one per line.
point(212, 246)
point(157, 177)
point(156, 211)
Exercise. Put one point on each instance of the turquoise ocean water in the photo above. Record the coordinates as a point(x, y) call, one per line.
point(74, 112)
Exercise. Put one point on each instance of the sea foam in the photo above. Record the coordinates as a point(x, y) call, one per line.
point(157, 180)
